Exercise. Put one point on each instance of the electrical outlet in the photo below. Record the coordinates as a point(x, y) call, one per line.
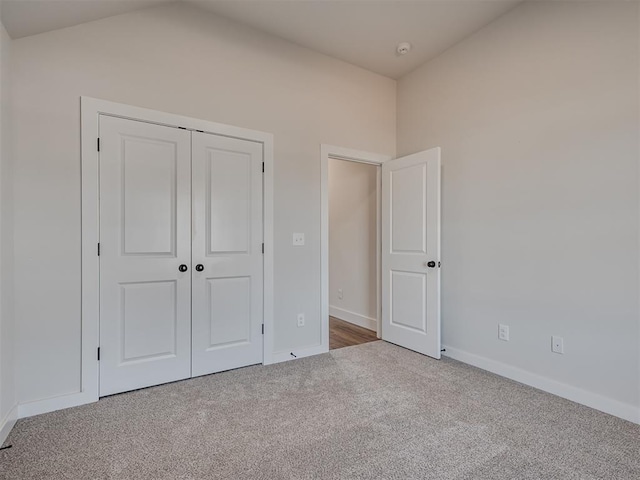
point(340, 294)
point(503, 332)
point(301, 319)
point(557, 344)
point(298, 239)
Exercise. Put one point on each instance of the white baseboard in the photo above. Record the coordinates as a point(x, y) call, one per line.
point(604, 404)
point(7, 423)
point(355, 318)
point(47, 405)
point(287, 355)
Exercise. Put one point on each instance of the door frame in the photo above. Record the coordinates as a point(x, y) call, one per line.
point(90, 111)
point(340, 153)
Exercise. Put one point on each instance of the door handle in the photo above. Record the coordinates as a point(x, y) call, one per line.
point(199, 267)
point(183, 268)
point(430, 264)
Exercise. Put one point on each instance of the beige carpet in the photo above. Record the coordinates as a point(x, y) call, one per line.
point(372, 411)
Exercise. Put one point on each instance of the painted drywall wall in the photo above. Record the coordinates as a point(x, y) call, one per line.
point(7, 331)
point(178, 59)
point(353, 242)
point(537, 116)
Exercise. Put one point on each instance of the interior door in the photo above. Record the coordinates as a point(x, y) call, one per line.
point(227, 253)
point(145, 250)
point(411, 252)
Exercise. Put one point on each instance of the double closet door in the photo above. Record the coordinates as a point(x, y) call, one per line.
point(181, 263)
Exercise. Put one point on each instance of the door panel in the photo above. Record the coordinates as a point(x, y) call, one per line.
point(229, 298)
point(409, 229)
point(410, 240)
point(408, 301)
point(148, 320)
point(148, 196)
point(228, 202)
point(145, 224)
point(227, 242)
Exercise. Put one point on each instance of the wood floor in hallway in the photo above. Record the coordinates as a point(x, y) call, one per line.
point(345, 334)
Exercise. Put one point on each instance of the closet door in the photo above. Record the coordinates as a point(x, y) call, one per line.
point(227, 253)
point(145, 253)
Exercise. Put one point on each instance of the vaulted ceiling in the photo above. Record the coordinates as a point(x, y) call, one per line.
point(361, 32)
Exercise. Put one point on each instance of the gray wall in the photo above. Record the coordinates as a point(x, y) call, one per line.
point(7, 327)
point(537, 117)
point(177, 59)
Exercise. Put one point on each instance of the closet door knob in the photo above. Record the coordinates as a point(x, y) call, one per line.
point(183, 268)
point(430, 264)
point(199, 267)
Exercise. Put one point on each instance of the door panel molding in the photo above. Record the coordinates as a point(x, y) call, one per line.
point(90, 111)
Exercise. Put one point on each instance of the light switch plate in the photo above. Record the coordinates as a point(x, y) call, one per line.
point(298, 239)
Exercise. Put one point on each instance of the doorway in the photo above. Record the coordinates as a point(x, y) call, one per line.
point(338, 318)
point(408, 256)
point(354, 198)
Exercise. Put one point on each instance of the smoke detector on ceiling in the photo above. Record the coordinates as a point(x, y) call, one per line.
point(403, 48)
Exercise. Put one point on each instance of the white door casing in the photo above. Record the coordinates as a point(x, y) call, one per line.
point(328, 152)
point(227, 279)
point(91, 109)
point(411, 252)
point(145, 226)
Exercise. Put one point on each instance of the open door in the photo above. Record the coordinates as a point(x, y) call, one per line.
point(411, 252)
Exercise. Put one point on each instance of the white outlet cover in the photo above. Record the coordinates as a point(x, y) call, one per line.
point(503, 332)
point(557, 344)
point(301, 319)
point(298, 239)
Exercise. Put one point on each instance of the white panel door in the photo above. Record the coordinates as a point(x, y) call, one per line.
point(145, 242)
point(227, 253)
point(411, 252)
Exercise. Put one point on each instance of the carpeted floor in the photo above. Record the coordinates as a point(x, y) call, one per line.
point(373, 411)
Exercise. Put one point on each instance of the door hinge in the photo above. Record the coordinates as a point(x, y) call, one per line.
point(98, 353)
point(262, 167)
point(98, 143)
point(263, 248)
point(98, 249)
point(263, 328)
